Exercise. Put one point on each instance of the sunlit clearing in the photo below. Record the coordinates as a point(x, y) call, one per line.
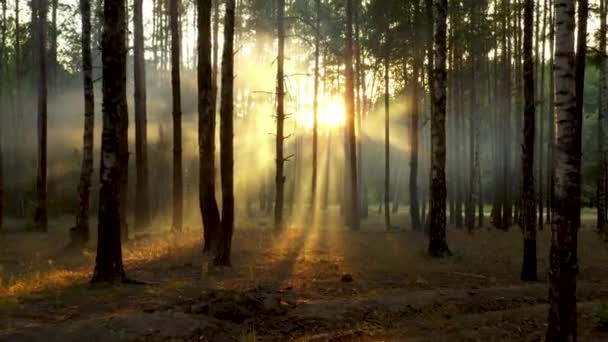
point(331, 114)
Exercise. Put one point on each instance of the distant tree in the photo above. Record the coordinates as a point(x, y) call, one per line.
point(206, 127)
point(438, 246)
point(414, 130)
point(387, 140)
point(177, 117)
point(41, 215)
point(142, 196)
point(80, 234)
point(108, 264)
point(528, 204)
point(222, 257)
point(566, 201)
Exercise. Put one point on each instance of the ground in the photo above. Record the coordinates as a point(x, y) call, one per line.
point(315, 282)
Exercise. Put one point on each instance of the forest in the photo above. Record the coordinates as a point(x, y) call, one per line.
point(303, 170)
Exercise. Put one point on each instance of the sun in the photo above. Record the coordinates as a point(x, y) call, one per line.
point(331, 114)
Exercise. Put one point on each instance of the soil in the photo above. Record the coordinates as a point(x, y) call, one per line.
point(310, 282)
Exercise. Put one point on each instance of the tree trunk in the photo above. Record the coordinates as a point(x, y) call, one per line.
point(566, 202)
point(352, 203)
point(206, 128)
point(4, 75)
point(40, 218)
point(387, 145)
point(438, 246)
point(361, 103)
point(414, 129)
point(280, 137)
point(177, 117)
point(528, 204)
point(216, 48)
point(53, 48)
point(80, 234)
point(541, 130)
point(601, 125)
point(551, 140)
point(222, 256)
point(108, 264)
point(142, 198)
point(315, 130)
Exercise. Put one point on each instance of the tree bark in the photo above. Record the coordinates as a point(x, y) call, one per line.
point(177, 117)
point(387, 144)
point(108, 263)
point(315, 129)
point(280, 135)
point(541, 130)
point(40, 217)
point(528, 204)
point(142, 197)
point(80, 234)
point(566, 202)
point(438, 246)
point(414, 129)
point(601, 125)
point(222, 256)
point(352, 203)
point(206, 128)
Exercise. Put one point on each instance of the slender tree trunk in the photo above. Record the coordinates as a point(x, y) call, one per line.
point(601, 125)
point(387, 145)
point(177, 117)
point(3, 102)
point(216, 48)
point(580, 63)
point(141, 136)
point(206, 128)
point(53, 62)
point(361, 103)
point(551, 140)
point(222, 255)
point(315, 131)
point(541, 130)
point(108, 264)
point(40, 218)
point(473, 192)
point(528, 205)
point(414, 129)
point(80, 234)
point(352, 203)
point(566, 202)
point(280, 137)
point(438, 246)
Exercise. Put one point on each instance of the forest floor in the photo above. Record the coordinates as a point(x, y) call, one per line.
point(322, 283)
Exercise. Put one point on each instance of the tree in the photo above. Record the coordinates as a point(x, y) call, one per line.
point(177, 117)
point(438, 246)
point(108, 263)
point(601, 123)
point(414, 124)
point(352, 203)
point(80, 233)
point(4, 73)
point(40, 217)
point(315, 130)
point(528, 204)
point(142, 214)
point(387, 140)
point(222, 257)
point(280, 138)
point(566, 203)
point(206, 127)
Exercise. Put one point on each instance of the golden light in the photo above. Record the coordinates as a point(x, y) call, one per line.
point(331, 114)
